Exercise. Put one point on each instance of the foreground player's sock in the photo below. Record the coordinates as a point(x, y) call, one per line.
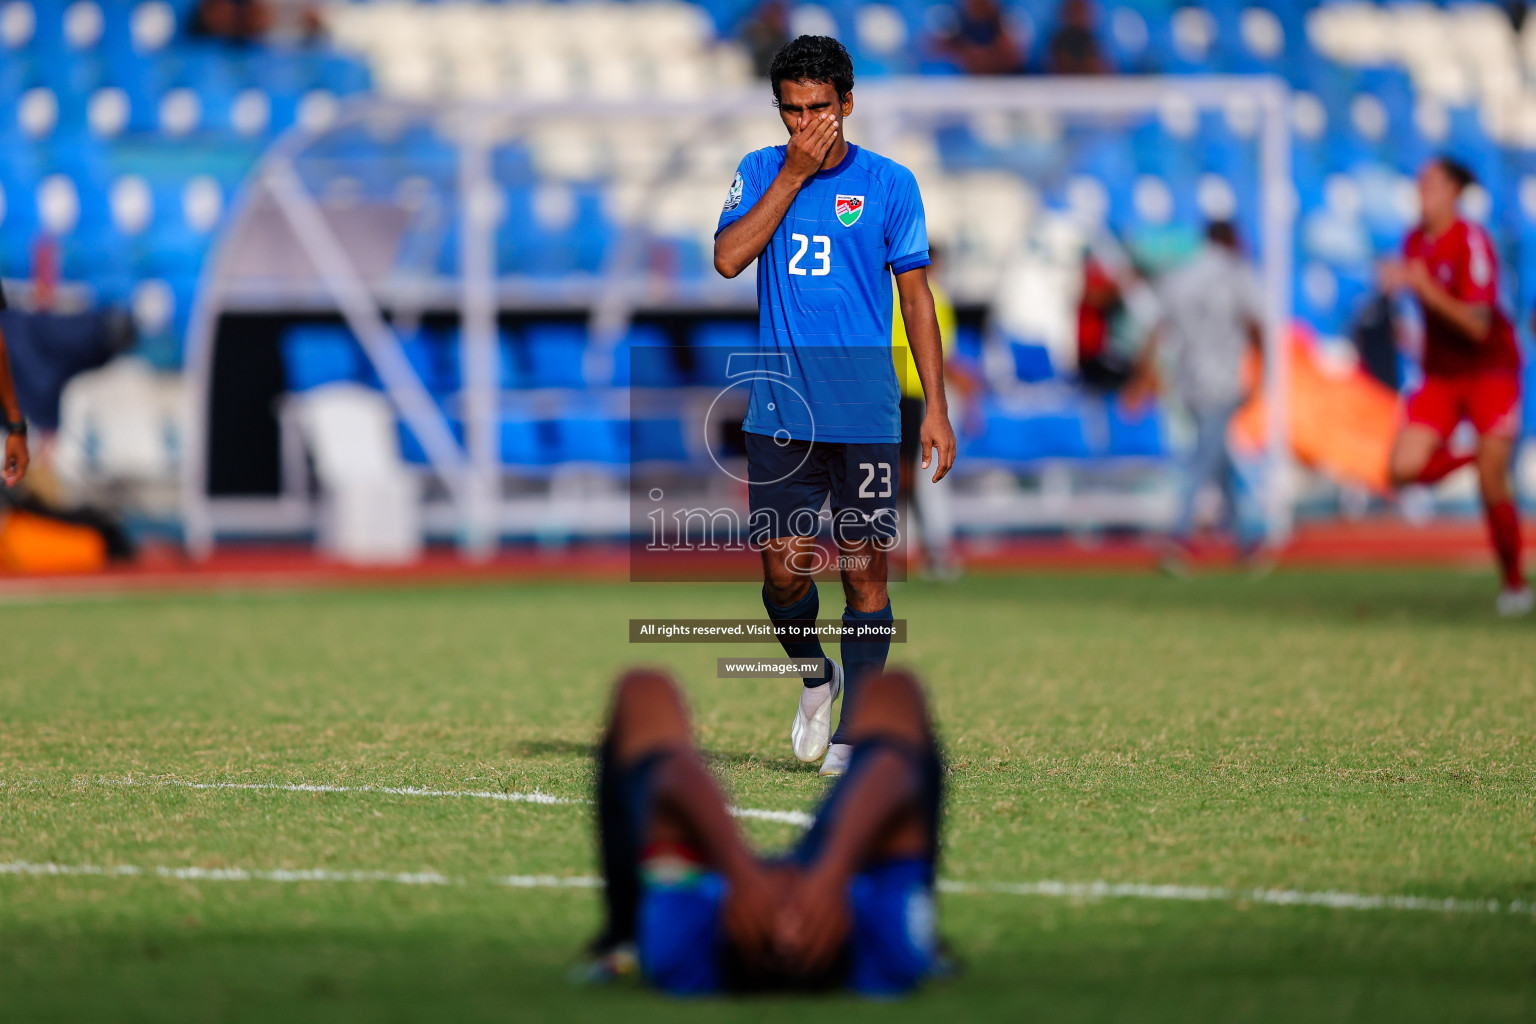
point(804, 610)
point(1441, 465)
point(1504, 531)
point(861, 658)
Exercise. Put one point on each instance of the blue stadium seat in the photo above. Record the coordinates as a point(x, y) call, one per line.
point(657, 440)
point(1138, 433)
point(645, 358)
point(525, 443)
point(555, 352)
point(1033, 436)
point(411, 449)
point(449, 354)
point(968, 343)
point(584, 435)
point(316, 354)
point(1528, 398)
point(428, 354)
point(1031, 362)
point(712, 343)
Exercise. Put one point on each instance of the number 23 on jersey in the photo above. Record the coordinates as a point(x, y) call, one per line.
point(822, 255)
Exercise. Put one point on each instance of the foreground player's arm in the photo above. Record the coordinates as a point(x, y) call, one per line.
point(870, 818)
point(15, 465)
point(928, 352)
point(687, 792)
point(738, 244)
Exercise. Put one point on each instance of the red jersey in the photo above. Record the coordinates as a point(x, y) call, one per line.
point(1461, 259)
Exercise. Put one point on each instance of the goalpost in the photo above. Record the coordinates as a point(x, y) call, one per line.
point(299, 242)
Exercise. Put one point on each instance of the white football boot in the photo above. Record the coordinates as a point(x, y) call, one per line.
point(812, 728)
point(838, 756)
point(1514, 603)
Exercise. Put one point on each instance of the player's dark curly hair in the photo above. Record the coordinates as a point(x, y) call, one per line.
point(812, 59)
point(1459, 172)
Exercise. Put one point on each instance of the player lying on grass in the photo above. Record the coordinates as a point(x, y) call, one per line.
point(849, 906)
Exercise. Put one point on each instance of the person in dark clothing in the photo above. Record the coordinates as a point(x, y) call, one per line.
point(1376, 341)
point(1074, 48)
point(765, 33)
point(1099, 366)
point(14, 464)
point(981, 41)
point(849, 907)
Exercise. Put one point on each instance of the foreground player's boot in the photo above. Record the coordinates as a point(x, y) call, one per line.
point(605, 965)
point(1515, 602)
point(812, 728)
point(838, 756)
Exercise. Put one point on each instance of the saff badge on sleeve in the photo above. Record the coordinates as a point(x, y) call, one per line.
point(849, 208)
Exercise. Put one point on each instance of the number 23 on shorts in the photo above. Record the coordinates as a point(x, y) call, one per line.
point(869, 469)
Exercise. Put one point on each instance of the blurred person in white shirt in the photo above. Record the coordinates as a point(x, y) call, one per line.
point(1211, 324)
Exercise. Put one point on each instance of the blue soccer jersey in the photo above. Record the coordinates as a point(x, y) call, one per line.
point(824, 296)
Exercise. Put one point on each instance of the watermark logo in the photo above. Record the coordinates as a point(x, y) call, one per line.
point(759, 472)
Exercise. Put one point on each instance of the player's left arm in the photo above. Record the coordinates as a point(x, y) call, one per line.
point(815, 918)
point(1472, 319)
point(1468, 304)
point(928, 352)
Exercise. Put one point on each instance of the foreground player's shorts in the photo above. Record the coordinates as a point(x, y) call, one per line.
point(1491, 401)
point(790, 480)
point(890, 946)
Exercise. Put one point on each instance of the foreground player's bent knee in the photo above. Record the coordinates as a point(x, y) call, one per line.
point(891, 704)
point(647, 713)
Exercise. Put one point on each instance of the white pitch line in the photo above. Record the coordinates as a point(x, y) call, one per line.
point(1046, 889)
point(224, 874)
point(1220, 894)
point(800, 818)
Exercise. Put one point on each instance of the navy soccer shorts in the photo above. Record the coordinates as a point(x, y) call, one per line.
point(789, 481)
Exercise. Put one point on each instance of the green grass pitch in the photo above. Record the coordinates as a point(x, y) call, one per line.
point(1361, 732)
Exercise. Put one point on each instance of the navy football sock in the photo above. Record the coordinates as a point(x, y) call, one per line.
point(621, 859)
point(804, 610)
point(861, 658)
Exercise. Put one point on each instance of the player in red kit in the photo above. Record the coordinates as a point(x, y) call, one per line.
point(1471, 364)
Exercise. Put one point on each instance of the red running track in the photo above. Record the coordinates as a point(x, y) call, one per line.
point(244, 567)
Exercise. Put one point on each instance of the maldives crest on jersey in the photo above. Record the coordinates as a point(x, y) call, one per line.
point(848, 210)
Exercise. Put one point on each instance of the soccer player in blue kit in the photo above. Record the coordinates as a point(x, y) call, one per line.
point(829, 224)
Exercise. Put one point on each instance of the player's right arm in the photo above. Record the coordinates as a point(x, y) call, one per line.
point(744, 240)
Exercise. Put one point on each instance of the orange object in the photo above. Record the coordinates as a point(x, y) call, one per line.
point(36, 544)
point(1342, 422)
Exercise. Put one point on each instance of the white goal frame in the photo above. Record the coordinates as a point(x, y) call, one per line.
point(471, 473)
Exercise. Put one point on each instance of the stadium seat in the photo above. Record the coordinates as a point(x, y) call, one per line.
point(646, 358)
point(555, 352)
point(315, 354)
point(1031, 362)
point(657, 440)
point(1137, 433)
point(1026, 436)
point(588, 436)
point(711, 345)
point(526, 443)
